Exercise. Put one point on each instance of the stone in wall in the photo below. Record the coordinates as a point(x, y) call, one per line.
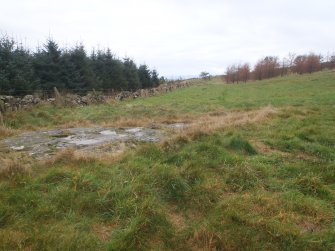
point(10, 103)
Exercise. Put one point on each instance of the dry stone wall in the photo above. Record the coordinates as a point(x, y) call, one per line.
point(10, 103)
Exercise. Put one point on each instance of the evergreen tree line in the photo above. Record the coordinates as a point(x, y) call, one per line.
point(270, 66)
point(24, 72)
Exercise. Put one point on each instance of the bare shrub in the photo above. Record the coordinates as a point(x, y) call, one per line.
point(267, 67)
point(307, 63)
point(239, 73)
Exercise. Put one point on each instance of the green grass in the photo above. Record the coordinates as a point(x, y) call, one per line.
point(261, 186)
point(293, 90)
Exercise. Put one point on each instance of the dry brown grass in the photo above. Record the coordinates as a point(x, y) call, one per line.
point(217, 121)
point(104, 153)
point(309, 226)
point(210, 123)
point(176, 218)
point(15, 239)
point(266, 149)
point(130, 122)
point(197, 126)
point(148, 122)
point(67, 156)
point(13, 167)
point(6, 132)
point(74, 124)
point(103, 230)
point(206, 240)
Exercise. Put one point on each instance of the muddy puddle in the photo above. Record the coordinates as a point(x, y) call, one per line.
point(45, 143)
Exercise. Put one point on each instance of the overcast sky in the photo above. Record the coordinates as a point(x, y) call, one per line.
point(177, 37)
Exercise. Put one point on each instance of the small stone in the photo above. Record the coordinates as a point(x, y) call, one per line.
point(17, 148)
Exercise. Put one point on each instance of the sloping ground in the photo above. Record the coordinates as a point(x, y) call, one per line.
point(255, 172)
point(45, 143)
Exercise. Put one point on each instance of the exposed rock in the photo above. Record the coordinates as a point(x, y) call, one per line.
point(45, 143)
point(28, 99)
point(124, 95)
point(36, 101)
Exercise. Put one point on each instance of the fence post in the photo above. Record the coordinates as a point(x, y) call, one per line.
point(58, 97)
point(1, 120)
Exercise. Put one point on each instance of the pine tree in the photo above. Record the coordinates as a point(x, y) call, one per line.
point(98, 67)
point(15, 68)
point(114, 72)
point(77, 73)
point(154, 79)
point(22, 79)
point(131, 74)
point(6, 48)
point(22, 72)
point(109, 71)
point(47, 66)
point(144, 75)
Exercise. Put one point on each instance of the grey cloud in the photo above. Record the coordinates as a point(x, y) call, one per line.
point(177, 37)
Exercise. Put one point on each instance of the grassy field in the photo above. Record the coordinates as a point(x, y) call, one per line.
point(257, 172)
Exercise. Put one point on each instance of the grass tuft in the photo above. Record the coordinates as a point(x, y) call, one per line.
point(6, 132)
point(13, 168)
point(237, 143)
point(204, 189)
point(312, 185)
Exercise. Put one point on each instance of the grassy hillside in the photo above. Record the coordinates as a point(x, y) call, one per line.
point(256, 172)
point(293, 90)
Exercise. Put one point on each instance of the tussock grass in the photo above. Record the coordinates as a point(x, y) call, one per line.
point(244, 176)
point(75, 157)
point(6, 132)
point(11, 168)
point(313, 185)
point(240, 144)
point(67, 156)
